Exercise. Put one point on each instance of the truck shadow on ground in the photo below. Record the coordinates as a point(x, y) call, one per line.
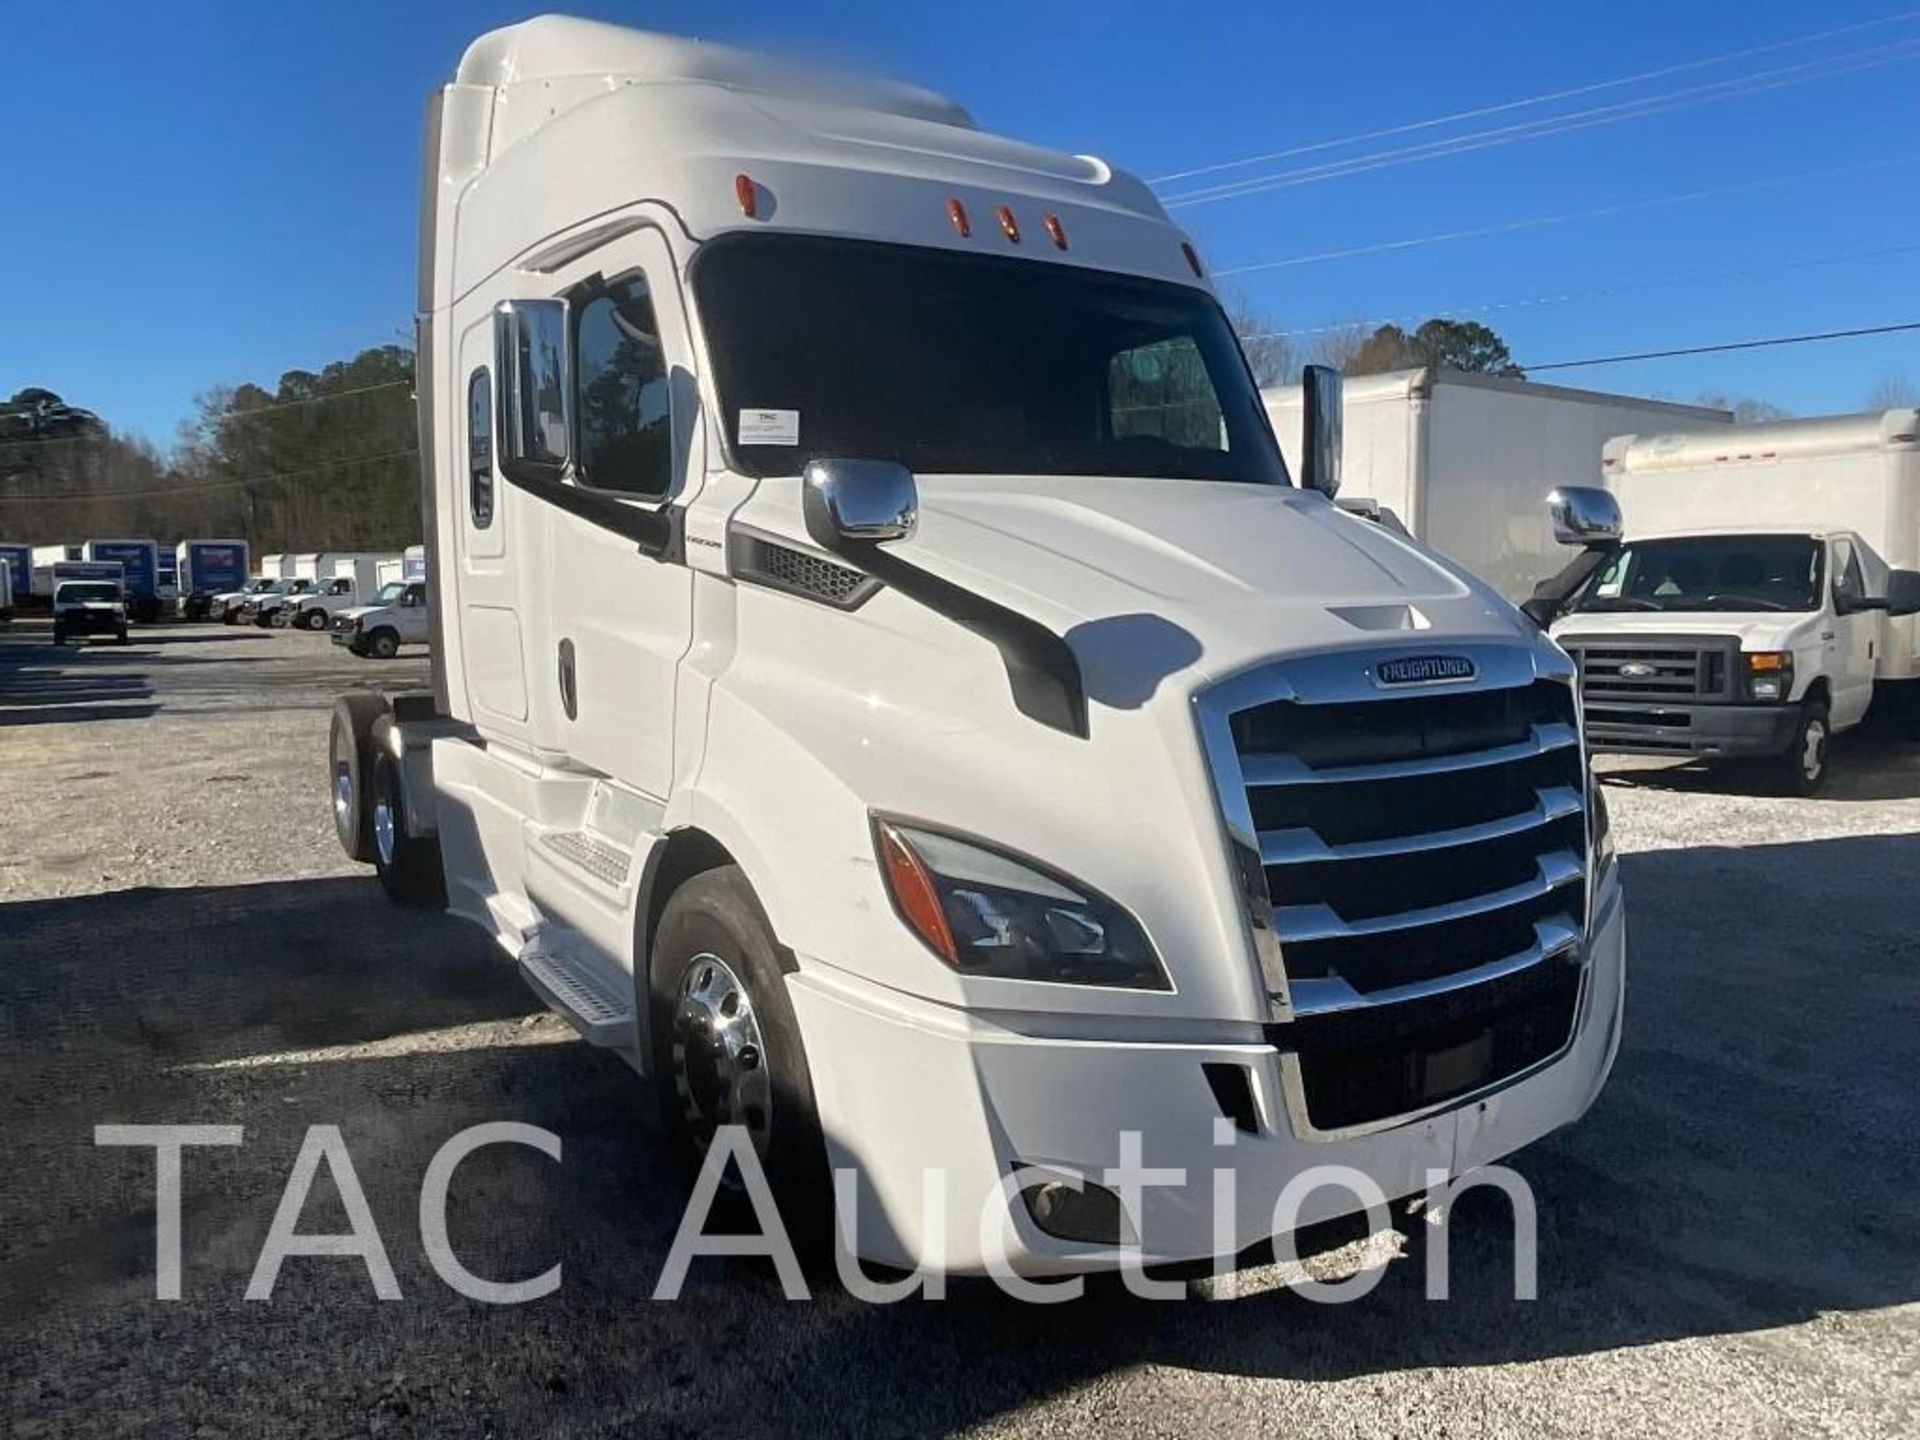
point(43, 684)
point(1749, 1167)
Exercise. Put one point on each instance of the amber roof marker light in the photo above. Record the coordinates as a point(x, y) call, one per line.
point(1009, 226)
point(957, 213)
point(1057, 231)
point(747, 194)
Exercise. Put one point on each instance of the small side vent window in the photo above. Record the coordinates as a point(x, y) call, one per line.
point(480, 448)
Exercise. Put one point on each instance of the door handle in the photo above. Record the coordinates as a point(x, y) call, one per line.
point(1826, 634)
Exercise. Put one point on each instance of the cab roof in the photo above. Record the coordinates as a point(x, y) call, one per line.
point(557, 121)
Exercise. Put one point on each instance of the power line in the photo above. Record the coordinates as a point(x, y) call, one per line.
point(1623, 207)
point(202, 486)
point(1768, 343)
point(233, 415)
point(1532, 100)
point(1488, 307)
point(1800, 74)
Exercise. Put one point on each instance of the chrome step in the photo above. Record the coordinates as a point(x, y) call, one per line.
point(589, 994)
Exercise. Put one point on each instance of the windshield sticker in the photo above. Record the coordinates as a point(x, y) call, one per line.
point(769, 427)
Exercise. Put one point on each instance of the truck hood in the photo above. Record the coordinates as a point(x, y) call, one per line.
point(1766, 630)
point(1211, 576)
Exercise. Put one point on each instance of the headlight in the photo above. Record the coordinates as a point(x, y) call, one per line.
point(1769, 673)
point(985, 912)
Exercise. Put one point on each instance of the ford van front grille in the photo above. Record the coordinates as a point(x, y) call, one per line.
point(1417, 848)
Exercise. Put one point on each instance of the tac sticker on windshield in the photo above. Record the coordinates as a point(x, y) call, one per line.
point(769, 427)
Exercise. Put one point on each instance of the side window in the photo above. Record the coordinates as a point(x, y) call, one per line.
point(480, 448)
point(1849, 585)
point(620, 380)
point(1162, 391)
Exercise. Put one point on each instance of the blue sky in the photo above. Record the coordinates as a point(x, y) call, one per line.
point(204, 193)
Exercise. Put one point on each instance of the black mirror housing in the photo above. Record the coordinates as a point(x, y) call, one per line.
point(1903, 592)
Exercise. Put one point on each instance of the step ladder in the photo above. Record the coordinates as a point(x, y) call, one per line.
point(593, 996)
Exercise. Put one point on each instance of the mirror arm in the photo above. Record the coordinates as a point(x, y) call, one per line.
point(1042, 669)
point(1552, 594)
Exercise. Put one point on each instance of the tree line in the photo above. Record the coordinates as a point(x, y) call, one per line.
point(323, 460)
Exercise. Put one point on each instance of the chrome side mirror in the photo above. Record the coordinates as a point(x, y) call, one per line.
point(858, 502)
point(535, 387)
point(1903, 592)
point(1585, 515)
point(1321, 409)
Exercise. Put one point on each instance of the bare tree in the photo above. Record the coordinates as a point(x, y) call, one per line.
point(1747, 409)
point(1269, 349)
point(1894, 392)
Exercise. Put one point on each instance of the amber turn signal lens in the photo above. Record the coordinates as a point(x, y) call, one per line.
point(914, 895)
point(1767, 660)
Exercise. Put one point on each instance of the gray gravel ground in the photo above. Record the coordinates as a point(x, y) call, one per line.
point(1728, 1240)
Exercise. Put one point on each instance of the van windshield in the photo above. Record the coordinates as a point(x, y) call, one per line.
point(389, 592)
point(91, 592)
point(1709, 572)
point(967, 364)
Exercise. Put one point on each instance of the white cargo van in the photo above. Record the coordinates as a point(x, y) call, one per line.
point(889, 688)
point(1759, 603)
point(352, 580)
point(1462, 461)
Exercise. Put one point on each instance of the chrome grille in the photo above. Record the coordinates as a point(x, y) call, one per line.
point(1414, 843)
point(1639, 692)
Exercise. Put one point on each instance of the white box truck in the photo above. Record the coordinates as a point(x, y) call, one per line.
point(1757, 607)
point(906, 708)
point(351, 579)
point(1463, 461)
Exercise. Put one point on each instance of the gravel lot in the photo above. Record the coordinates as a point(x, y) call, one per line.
point(1727, 1242)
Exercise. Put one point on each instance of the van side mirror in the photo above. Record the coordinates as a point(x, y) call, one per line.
point(1320, 423)
point(531, 364)
point(858, 502)
point(1585, 515)
point(1903, 592)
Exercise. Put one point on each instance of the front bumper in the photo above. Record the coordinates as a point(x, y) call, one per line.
point(1705, 730)
point(89, 622)
point(917, 1089)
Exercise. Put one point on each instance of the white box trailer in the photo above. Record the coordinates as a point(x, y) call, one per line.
point(1465, 461)
point(389, 570)
point(1858, 473)
point(278, 566)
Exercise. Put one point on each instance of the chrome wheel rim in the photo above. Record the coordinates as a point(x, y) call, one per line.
point(383, 830)
point(342, 797)
point(1813, 757)
point(719, 1058)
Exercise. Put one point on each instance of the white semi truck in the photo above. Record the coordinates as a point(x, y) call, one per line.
point(1766, 594)
point(888, 687)
point(1463, 460)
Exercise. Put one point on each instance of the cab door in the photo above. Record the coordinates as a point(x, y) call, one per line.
point(617, 617)
point(1851, 637)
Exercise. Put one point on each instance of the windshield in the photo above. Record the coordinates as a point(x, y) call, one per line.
point(389, 592)
point(75, 592)
point(1710, 572)
point(965, 364)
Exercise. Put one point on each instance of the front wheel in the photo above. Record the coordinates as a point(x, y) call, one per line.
point(725, 1048)
point(383, 644)
point(314, 620)
point(59, 636)
point(1801, 769)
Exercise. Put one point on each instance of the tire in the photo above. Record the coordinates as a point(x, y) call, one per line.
point(262, 620)
point(350, 770)
point(408, 865)
point(1802, 768)
point(384, 643)
point(120, 638)
point(229, 616)
point(712, 942)
point(59, 636)
point(314, 620)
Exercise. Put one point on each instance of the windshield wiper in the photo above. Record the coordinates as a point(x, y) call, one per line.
point(1619, 602)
